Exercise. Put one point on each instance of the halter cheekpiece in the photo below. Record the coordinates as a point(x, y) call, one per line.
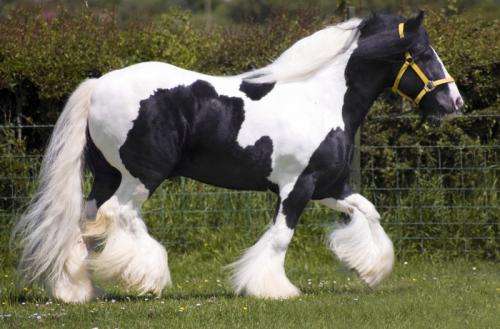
point(429, 85)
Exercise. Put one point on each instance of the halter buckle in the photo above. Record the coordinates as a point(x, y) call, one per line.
point(429, 86)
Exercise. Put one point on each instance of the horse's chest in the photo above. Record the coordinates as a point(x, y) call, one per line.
point(330, 163)
point(296, 126)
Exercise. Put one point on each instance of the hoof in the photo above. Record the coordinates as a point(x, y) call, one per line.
point(275, 293)
point(253, 281)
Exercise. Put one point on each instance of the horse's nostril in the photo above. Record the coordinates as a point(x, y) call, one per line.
point(459, 102)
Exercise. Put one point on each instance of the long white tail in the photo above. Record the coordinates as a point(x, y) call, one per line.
point(50, 227)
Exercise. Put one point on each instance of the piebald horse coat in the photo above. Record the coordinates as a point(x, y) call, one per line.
point(288, 127)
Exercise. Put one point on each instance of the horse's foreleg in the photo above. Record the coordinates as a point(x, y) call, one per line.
point(362, 243)
point(260, 271)
point(130, 254)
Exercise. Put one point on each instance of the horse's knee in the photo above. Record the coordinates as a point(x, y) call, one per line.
point(106, 215)
point(351, 202)
point(338, 205)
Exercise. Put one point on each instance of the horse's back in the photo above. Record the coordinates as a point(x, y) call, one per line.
point(154, 120)
point(117, 98)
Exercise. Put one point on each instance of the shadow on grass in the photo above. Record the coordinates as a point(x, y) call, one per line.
point(357, 290)
point(118, 297)
point(168, 296)
point(21, 297)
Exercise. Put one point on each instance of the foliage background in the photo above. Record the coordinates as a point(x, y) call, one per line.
point(435, 186)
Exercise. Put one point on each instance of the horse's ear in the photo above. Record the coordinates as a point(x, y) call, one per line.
point(413, 24)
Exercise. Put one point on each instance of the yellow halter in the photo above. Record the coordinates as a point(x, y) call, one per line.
point(429, 85)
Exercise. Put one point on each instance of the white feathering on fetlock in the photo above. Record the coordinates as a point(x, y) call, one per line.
point(130, 254)
point(140, 262)
point(260, 271)
point(363, 245)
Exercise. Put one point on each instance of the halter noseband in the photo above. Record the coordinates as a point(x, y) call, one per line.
point(429, 85)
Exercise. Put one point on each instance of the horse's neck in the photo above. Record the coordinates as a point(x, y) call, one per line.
point(354, 101)
point(357, 103)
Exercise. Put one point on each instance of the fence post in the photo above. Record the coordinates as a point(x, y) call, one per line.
point(208, 13)
point(356, 162)
point(356, 159)
point(20, 99)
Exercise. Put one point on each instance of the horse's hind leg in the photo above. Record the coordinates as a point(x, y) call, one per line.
point(130, 254)
point(107, 179)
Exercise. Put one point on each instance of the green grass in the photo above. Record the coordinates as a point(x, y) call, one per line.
point(420, 294)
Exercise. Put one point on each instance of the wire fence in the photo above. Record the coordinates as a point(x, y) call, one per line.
point(433, 198)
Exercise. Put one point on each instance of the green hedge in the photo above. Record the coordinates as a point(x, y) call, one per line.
point(55, 54)
point(42, 60)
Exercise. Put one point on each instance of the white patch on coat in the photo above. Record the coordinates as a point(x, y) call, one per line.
point(454, 93)
point(297, 116)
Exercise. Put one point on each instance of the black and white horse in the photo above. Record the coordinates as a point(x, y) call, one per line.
point(287, 127)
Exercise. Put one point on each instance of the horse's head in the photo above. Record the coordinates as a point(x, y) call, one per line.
point(412, 67)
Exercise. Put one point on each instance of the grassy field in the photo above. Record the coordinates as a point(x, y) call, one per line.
point(420, 294)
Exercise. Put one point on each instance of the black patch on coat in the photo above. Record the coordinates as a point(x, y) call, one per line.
point(297, 199)
point(325, 176)
point(256, 91)
point(330, 164)
point(106, 178)
point(191, 131)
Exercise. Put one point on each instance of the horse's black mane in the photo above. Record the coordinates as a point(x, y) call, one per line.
point(377, 22)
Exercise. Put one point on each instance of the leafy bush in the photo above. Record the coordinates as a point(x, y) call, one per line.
point(468, 45)
point(15, 170)
point(56, 54)
point(43, 59)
